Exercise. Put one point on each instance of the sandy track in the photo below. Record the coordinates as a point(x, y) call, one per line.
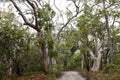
point(71, 75)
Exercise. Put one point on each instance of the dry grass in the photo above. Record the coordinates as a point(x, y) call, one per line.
point(111, 75)
point(32, 76)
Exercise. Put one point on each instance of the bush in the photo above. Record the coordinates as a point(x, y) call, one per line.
point(74, 62)
point(56, 70)
point(2, 69)
point(110, 68)
point(71, 65)
point(28, 63)
point(112, 71)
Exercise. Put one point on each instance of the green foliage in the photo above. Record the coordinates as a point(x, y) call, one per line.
point(19, 45)
point(31, 63)
point(53, 53)
point(71, 64)
point(2, 69)
point(109, 68)
point(45, 16)
point(74, 62)
point(56, 70)
point(23, 48)
point(50, 42)
point(112, 1)
point(117, 60)
point(87, 9)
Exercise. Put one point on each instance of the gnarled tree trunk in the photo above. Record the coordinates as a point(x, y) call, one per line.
point(97, 58)
point(96, 63)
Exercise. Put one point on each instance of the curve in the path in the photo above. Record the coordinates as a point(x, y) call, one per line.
point(71, 75)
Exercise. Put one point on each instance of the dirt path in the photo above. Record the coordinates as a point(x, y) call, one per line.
point(71, 75)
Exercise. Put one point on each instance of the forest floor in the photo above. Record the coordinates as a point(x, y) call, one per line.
point(31, 76)
point(66, 75)
point(112, 73)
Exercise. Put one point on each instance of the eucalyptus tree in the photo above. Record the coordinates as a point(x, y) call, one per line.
point(42, 15)
point(95, 25)
point(110, 9)
point(95, 30)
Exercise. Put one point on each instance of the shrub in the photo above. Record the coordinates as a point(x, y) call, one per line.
point(110, 68)
point(2, 69)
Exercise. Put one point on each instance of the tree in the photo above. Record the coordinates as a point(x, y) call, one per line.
point(94, 27)
point(42, 14)
point(12, 40)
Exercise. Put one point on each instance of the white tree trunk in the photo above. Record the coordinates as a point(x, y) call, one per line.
point(97, 58)
point(96, 64)
point(9, 66)
point(82, 62)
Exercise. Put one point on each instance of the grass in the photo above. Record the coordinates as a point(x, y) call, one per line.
point(30, 76)
point(108, 74)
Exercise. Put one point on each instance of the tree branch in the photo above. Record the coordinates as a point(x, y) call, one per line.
point(59, 11)
point(34, 12)
point(24, 18)
point(92, 55)
point(113, 21)
point(77, 12)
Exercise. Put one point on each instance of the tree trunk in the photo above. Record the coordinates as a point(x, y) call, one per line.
point(82, 62)
point(9, 66)
point(45, 56)
point(39, 30)
point(86, 55)
point(110, 43)
point(86, 61)
point(96, 63)
point(97, 58)
point(44, 53)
